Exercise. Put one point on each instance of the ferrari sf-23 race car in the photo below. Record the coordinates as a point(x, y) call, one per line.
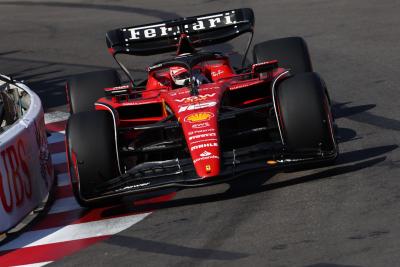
point(196, 120)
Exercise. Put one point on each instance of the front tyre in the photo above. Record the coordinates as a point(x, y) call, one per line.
point(92, 154)
point(304, 114)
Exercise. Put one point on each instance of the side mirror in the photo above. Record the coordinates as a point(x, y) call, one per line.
point(264, 67)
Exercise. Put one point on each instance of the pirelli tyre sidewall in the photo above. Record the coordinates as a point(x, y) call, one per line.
point(85, 89)
point(91, 153)
point(304, 113)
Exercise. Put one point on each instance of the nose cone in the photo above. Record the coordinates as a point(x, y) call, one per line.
point(207, 159)
point(198, 117)
point(201, 133)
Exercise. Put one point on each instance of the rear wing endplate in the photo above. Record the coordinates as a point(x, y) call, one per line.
point(156, 38)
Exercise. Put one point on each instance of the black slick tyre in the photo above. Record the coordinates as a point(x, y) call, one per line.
point(91, 153)
point(304, 113)
point(291, 53)
point(85, 89)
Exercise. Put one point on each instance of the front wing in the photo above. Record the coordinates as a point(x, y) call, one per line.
point(180, 173)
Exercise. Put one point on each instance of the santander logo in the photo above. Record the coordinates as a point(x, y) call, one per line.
point(205, 154)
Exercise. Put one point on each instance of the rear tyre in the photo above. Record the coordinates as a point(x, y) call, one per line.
point(85, 89)
point(291, 53)
point(91, 152)
point(304, 112)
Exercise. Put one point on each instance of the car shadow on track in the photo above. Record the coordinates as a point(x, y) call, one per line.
point(361, 114)
point(347, 162)
point(341, 110)
point(345, 135)
point(173, 249)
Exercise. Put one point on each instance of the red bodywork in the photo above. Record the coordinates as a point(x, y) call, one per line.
point(197, 114)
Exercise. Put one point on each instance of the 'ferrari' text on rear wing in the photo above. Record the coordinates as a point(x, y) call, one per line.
point(164, 36)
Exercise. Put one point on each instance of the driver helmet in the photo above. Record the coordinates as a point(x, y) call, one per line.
point(179, 75)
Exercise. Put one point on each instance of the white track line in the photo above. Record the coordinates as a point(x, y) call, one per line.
point(64, 204)
point(57, 158)
point(39, 264)
point(63, 179)
point(74, 232)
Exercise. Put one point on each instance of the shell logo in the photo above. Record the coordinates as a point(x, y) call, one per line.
point(199, 117)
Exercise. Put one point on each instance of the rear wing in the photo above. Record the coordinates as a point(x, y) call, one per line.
point(156, 38)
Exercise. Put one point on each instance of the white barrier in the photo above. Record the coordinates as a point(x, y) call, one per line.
point(26, 172)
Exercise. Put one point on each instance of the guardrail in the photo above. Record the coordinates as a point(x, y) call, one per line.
point(26, 172)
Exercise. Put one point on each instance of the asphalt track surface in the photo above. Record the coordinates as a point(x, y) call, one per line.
point(342, 215)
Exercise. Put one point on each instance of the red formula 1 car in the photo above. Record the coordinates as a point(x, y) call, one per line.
point(196, 120)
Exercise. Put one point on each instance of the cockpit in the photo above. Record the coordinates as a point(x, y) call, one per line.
point(188, 69)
